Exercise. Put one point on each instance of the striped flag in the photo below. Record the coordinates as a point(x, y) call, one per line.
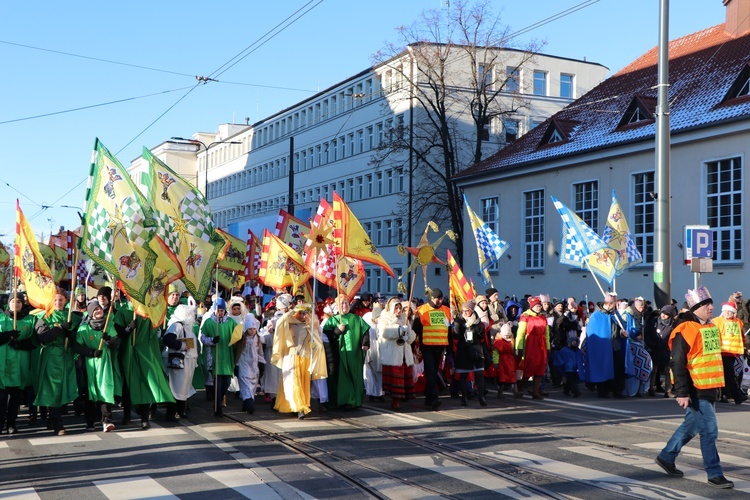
point(351, 238)
point(345, 274)
point(490, 247)
point(461, 289)
point(252, 256)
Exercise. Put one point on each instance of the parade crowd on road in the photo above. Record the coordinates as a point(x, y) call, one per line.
point(93, 355)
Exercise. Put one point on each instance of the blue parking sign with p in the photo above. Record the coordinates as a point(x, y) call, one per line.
point(702, 243)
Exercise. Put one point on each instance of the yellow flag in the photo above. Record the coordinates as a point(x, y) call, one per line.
point(232, 255)
point(231, 280)
point(165, 267)
point(281, 266)
point(351, 238)
point(30, 267)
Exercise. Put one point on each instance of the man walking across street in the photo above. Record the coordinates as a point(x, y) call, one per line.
point(698, 376)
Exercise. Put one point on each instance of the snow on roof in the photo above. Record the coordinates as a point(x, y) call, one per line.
point(702, 68)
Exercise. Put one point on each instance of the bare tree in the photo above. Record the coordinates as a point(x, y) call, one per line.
point(451, 67)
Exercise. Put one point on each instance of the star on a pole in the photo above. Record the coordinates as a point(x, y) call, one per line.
point(320, 237)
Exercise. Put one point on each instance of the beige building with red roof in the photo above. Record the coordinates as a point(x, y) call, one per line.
point(605, 141)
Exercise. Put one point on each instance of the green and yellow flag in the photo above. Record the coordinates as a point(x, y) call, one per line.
point(4, 261)
point(183, 221)
point(55, 261)
point(119, 225)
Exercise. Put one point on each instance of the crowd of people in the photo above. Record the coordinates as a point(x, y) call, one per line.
point(301, 357)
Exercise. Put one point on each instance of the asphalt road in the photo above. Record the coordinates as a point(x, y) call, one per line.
point(560, 447)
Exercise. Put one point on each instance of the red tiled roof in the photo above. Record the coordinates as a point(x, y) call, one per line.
point(703, 66)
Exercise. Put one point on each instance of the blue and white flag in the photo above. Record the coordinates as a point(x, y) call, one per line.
point(578, 239)
point(490, 247)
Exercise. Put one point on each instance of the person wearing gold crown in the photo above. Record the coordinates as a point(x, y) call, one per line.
point(298, 352)
point(698, 375)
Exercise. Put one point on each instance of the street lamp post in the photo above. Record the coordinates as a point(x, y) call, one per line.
point(205, 148)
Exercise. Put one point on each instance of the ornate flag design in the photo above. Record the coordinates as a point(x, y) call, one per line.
point(618, 236)
point(579, 241)
point(291, 230)
point(30, 267)
point(461, 289)
point(281, 266)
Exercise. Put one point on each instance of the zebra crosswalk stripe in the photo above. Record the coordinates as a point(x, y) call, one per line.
point(133, 488)
point(20, 494)
point(469, 475)
point(244, 482)
point(604, 480)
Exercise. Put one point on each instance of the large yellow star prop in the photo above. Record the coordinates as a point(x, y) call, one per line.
point(320, 237)
point(424, 253)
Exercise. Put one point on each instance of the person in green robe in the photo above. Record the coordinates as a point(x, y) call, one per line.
point(16, 341)
point(216, 333)
point(57, 374)
point(144, 381)
point(348, 335)
point(96, 340)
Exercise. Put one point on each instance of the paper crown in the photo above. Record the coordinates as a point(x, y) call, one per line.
point(173, 289)
point(696, 298)
point(544, 298)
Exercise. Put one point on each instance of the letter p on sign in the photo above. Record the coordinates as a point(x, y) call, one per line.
point(703, 243)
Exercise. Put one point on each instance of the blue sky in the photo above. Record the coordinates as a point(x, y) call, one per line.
point(44, 161)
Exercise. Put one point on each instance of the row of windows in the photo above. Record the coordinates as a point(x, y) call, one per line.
point(378, 280)
point(385, 233)
point(540, 81)
point(362, 187)
point(360, 141)
point(723, 213)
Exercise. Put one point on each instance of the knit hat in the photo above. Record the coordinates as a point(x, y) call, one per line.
point(490, 292)
point(105, 291)
point(469, 305)
point(729, 306)
point(506, 331)
point(480, 298)
point(221, 304)
point(437, 293)
point(93, 306)
point(534, 301)
point(669, 309)
point(698, 298)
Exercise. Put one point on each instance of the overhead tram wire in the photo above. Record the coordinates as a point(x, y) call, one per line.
point(239, 57)
point(177, 102)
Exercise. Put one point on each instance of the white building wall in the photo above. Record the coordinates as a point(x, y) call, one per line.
point(249, 182)
point(612, 169)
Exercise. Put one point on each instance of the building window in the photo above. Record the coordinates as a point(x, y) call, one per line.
point(351, 144)
point(342, 147)
point(368, 181)
point(377, 236)
point(325, 153)
point(401, 180)
point(724, 208)
point(360, 188)
point(350, 186)
point(379, 183)
point(389, 232)
point(370, 138)
point(360, 141)
point(400, 127)
point(513, 79)
point(334, 150)
point(586, 203)
point(379, 133)
point(540, 82)
point(389, 182)
point(643, 215)
point(491, 216)
point(567, 86)
point(533, 233)
point(511, 128)
point(484, 77)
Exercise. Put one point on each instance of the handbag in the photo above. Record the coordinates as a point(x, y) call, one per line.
point(176, 360)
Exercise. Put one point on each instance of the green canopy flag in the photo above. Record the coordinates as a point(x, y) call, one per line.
point(118, 225)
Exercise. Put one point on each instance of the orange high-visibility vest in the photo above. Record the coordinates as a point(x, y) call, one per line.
point(704, 357)
point(434, 324)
